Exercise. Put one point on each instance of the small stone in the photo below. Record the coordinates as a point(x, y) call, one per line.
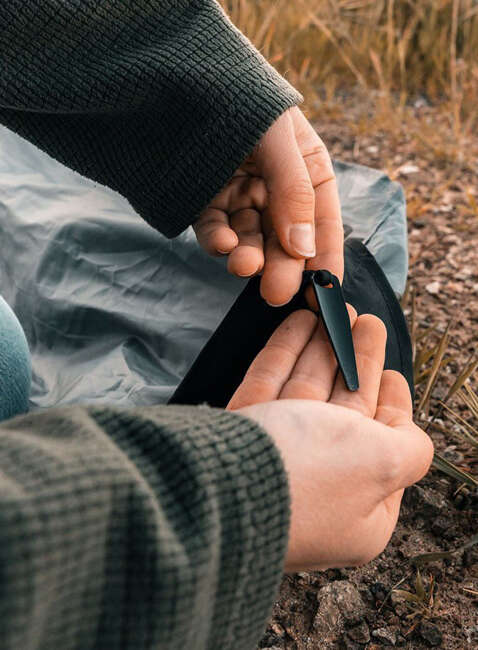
point(386, 635)
point(407, 169)
point(430, 633)
point(273, 638)
point(419, 223)
point(360, 633)
point(440, 525)
point(340, 603)
point(379, 591)
point(433, 288)
point(426, 502)
point(340, 599)
point(452, 454)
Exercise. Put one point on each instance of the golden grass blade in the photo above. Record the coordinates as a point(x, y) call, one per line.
point(423, 558)
point(328, 34)
point(442, 346)
point(473, 397)
point(462, 378)
point(469, 429)
point(450, 469)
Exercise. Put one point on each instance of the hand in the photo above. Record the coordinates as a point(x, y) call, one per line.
point(280, 209)
point(348, 455)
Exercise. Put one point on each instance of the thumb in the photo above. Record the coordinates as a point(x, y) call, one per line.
point(291, 202)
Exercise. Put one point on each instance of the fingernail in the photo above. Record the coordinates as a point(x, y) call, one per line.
point(302, 239)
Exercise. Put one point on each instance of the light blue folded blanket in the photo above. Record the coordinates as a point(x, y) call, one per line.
point(114, 312)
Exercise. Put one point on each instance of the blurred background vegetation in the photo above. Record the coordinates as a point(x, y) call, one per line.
point(370, 66)
point(401, 49)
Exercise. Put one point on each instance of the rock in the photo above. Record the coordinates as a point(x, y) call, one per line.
point(339, 603)
point(379, 591)
point(433, 288)
point(385, 635)
point(452, 454)
point(269, 643)
point(359, 633)
point(441, 524)
point(273, 638)
point(425, 501)
point(430, 633)
point(408, 168)
point(419, 223)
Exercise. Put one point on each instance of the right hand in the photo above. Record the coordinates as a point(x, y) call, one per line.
point(348, 456)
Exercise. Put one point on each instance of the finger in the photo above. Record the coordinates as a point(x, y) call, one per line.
point(314, 373)
point(291, 199)
point(394, 405)
point(272, 367)
point(213, 232)
point(243, 191)
point(329, 233)
point(329, 237)
point(282, 274)
point(369, 337)
point(248, 257)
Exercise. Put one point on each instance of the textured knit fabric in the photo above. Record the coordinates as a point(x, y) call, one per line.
point(15, 365)
point(160, 100)
point(148, 529)
point(165, 527)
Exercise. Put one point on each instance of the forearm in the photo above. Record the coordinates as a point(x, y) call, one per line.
point(159, 527)
point(159, 100)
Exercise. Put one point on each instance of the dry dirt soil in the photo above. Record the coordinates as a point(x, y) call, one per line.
point(356, 608)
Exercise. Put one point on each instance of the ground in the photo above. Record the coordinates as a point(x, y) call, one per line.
point(355, 608)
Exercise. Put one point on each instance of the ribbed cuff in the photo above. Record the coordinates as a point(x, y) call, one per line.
point(228, 98)
point(224, 491)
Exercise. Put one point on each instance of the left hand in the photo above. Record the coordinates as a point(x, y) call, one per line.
point(348, 455)
point(280, 212)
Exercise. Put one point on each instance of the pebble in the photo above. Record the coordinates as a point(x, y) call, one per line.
point(441, 525)
point(339, 600)
point(379, 591)
point(425, 501)
point(385, 634)
point(408, 168)
point(433, 288)
point(430, 633)
point(360, 633)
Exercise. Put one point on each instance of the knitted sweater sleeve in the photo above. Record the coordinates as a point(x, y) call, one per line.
point(160, 527)
point(160, 100)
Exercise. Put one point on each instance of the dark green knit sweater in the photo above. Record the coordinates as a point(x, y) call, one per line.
point(164, 527)
point(159, 99)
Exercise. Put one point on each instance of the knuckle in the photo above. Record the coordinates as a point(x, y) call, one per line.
point(300, 193)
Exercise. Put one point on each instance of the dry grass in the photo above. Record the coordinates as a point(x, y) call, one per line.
point(383, 54)
point(400, 48)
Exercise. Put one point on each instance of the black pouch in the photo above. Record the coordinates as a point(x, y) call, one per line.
point(222, 363)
